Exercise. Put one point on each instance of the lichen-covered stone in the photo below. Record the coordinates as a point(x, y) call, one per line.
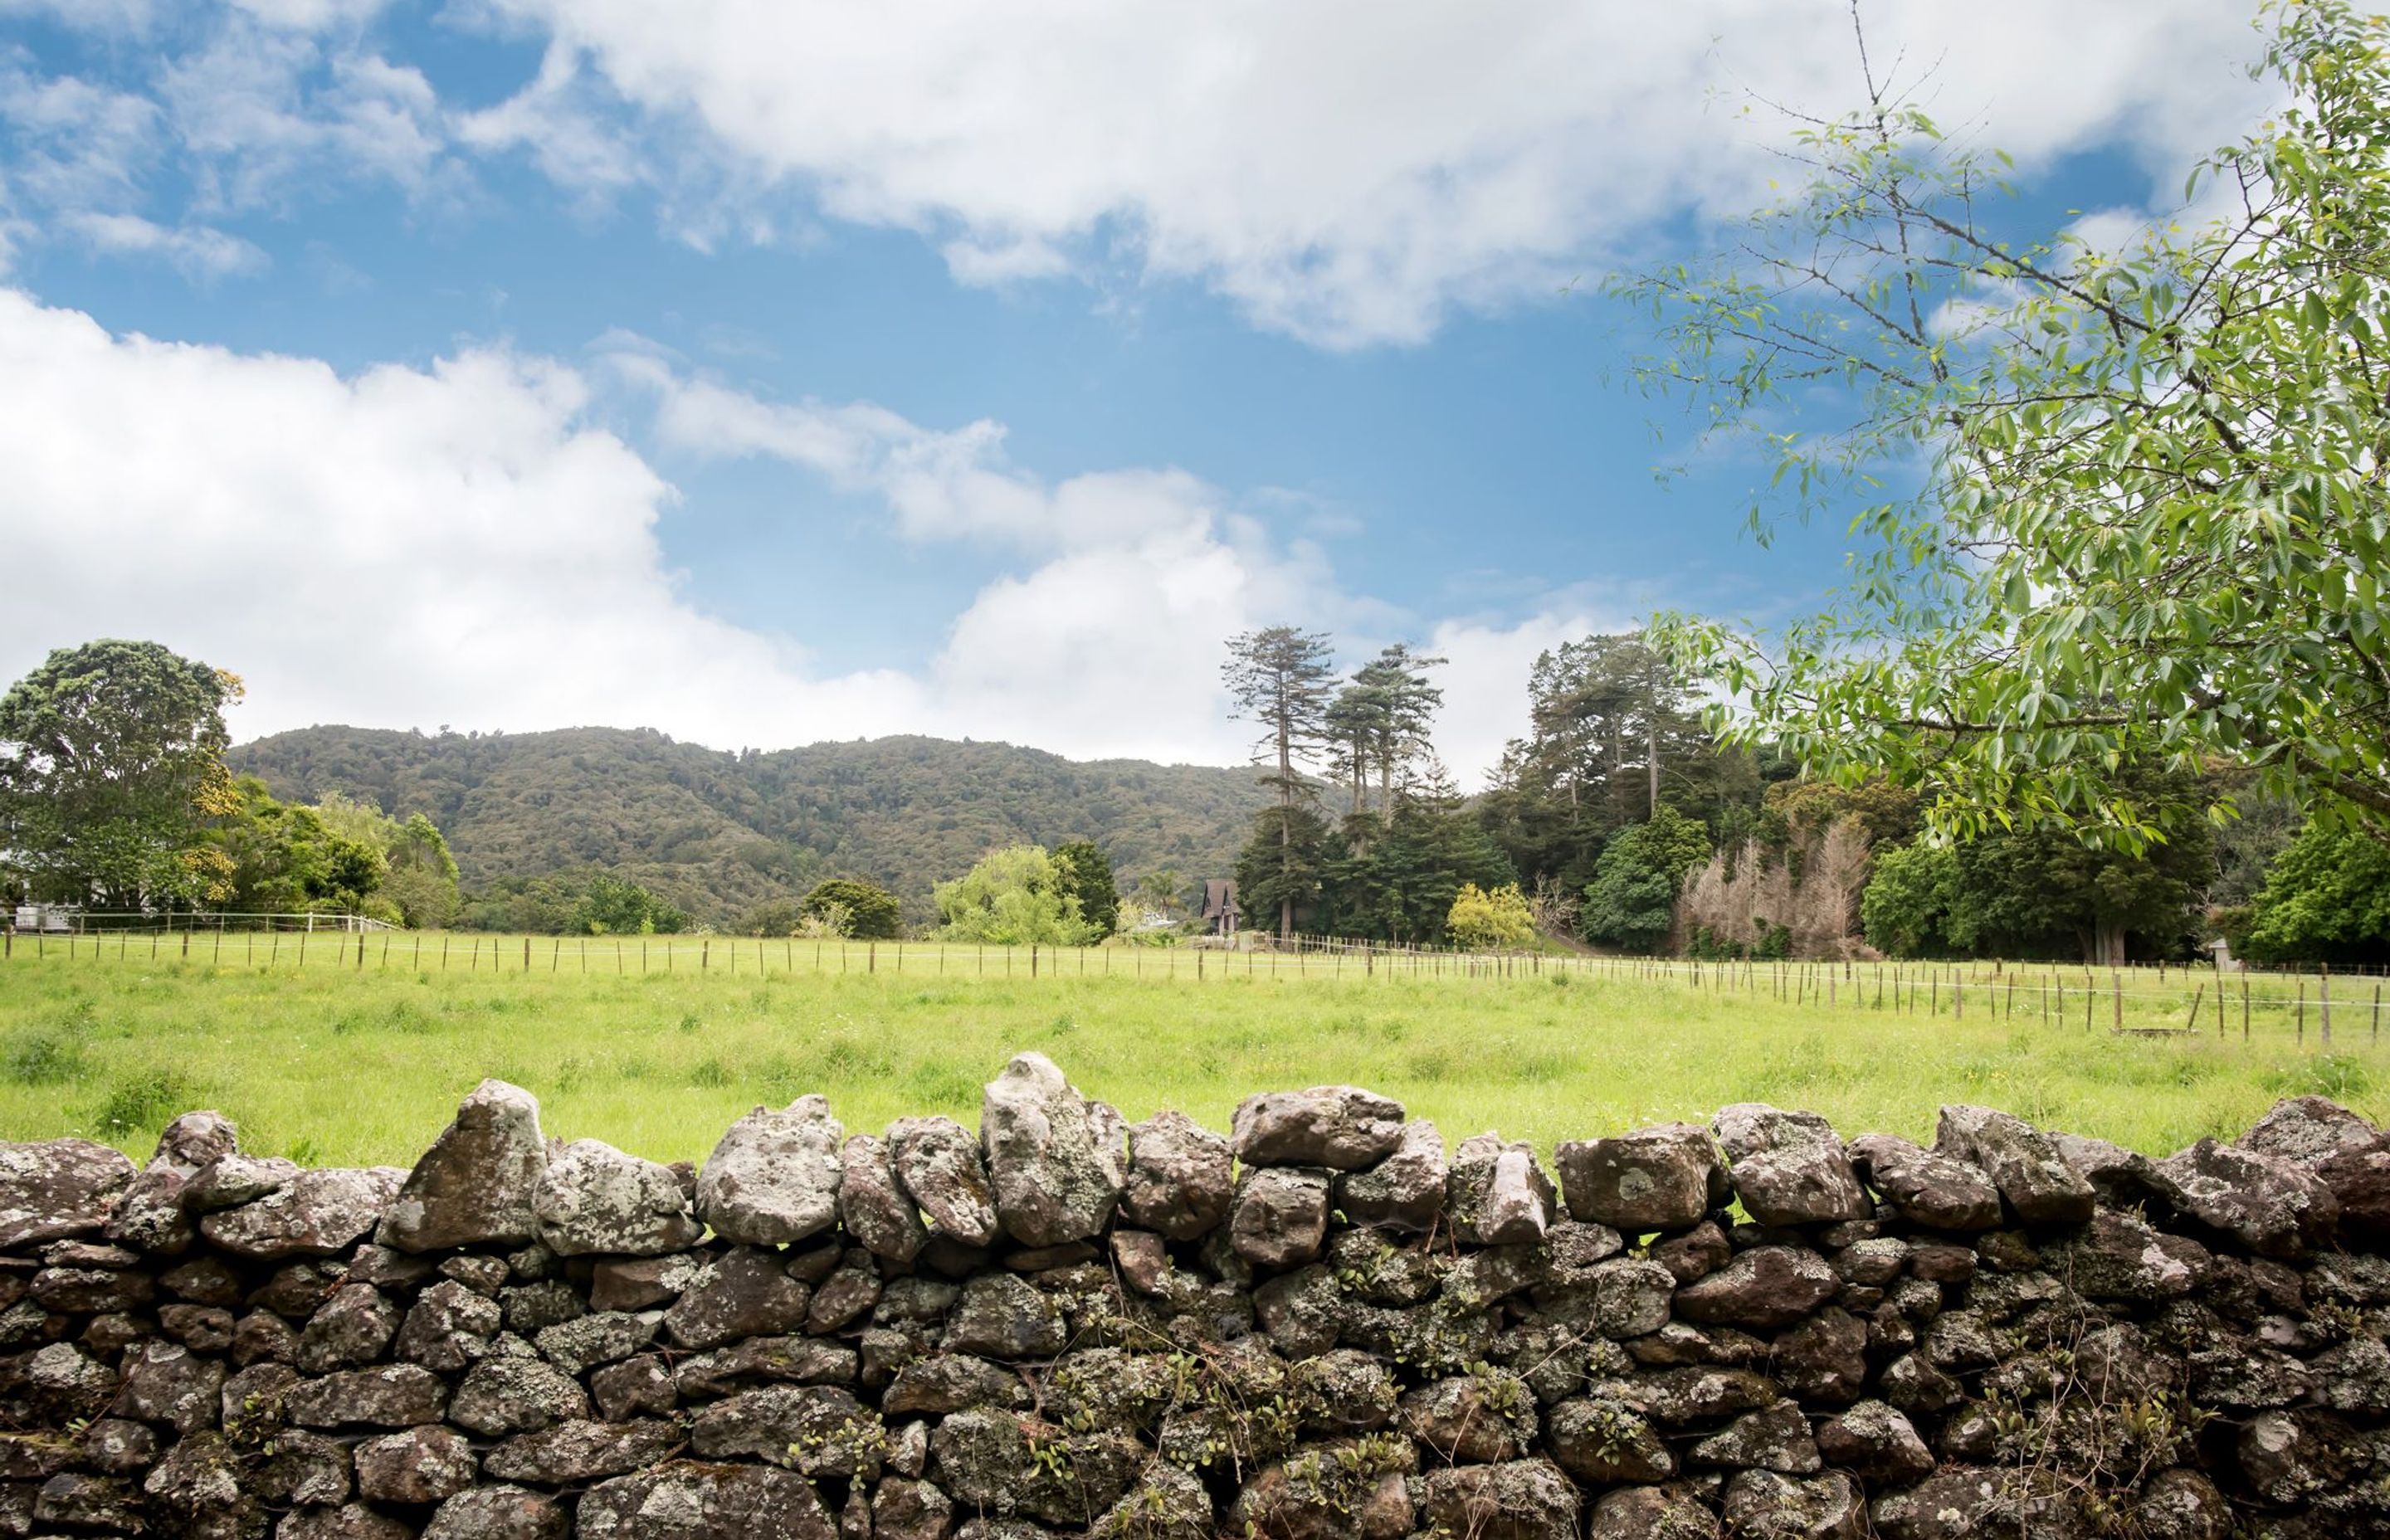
point(1405, 1190)
point(938, 1164)
point(502, 1512)
point(448, 1327)
point(593, 1197)
point(1058, 1164)
point(516, 1393)
point(1876, 1443)
point(1341, 1127)
point(1664, 1177)
point(1010, 1466)
point(151, 1213)
point(58, 1188)
point(873, 1206)
point(1601, 1442)
point(818, 1430)
point(477, 1182)
point(421, 1465)
point(1788, 1167)
point(396, 1395)
point(194, 1493)
point(1279, 1218)
point(1000, 1316)
point(169, 1384)
point(1495, 1194)
point(575, 1453)
point(2269, 1205)
point(1518, 1500)
point(691, 1500)
point(1180, 1178)
point(1766, 1287)
point(744, 1292)
point(2036, 1183)
point(319, 1213)
point(1940, 1192)
point(1763, 1505)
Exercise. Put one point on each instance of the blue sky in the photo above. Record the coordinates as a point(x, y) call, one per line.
point(771, 372)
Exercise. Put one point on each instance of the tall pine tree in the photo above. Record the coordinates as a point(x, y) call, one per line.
point(1279, 677)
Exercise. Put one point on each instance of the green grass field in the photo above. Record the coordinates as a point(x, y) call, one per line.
point(333, 1063)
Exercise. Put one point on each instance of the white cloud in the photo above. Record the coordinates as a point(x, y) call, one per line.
point(1346, 170)
point(463, 544)
point(199, 252)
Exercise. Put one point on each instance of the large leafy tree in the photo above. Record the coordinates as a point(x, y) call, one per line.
point(2326, 898)
point(111, 762)
point(1015, 897)
point(1632, 900)
point(1087, 876)
point(2151, 522)
point(872, 912)
point(1279, 678)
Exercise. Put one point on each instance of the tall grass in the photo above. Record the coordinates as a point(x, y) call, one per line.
point(365, 1066)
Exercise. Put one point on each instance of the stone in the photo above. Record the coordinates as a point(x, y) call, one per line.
point(1001, 1317)
point(593, 1197)
point(1766, 1287)
point(1872, 1263)
point(476, 1185)
point(906, 1509)
point(2180, 1503)
point(938, 1164)
point(1495, 1194)
point(2117, 1256)
point(1142, 1260)
point(2120, 1177)
point(574, 1452)
point(635, 1385)
point(578, 1345)
point(1651, 1513)
point(300, 1469)
point(203, 1280)
point(1788, 1167)
point(2036, 1183)
point(74, 1500)
point(1058, 1164)
point(1824, 1358)
point(194, 1493)
point(349, 1521)
point(689, 1500)
point(774, 1176)
point(1604, 1442)
point(1324, 1492)
point(744, 1292)
point(873, 1206)
point(90, 1290)
point(1773, 1438)
point(635, 1283)
point(448, 1327)
point(1937, 1191)
point(501, 1512)
point(1761, 1505)
point(1518, 1500)
point(421, 1465)
point(1876, 1443)
point(233, 1178)
point(845, 1297)
point(1473, 1418)
point(319, 1213)
point(2308, 1131)
point(151, 1214)
point(1012, 1466)
point(1679, 1397)
point(529, 1309)
point(1694, 1254)
point(1947, 1505)
point(396, 1395)
point(946, 1382)
point(351, 1329)
point(113, 1446)
point(168, 1383)
point(1179, 1177)
point(1915, 1385)
point(1279, 1218)
point(58, 1188)
point(819, 1430)
point(510, 1394)
point(1405, 1190)
point(254, 1402)
point(1341, 1127)
point(1664, 1177)
point(2272, 1207)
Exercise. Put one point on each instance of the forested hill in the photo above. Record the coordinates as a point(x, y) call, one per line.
point(718, 833)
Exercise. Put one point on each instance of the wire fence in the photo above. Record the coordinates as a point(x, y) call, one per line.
point(2322, 1007)
point(33, 920)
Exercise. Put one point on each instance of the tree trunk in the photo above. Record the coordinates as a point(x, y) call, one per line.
point(1285, 826)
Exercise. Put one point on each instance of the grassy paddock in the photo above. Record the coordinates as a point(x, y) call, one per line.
point(330, 1062)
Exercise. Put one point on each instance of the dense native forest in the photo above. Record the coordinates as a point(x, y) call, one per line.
point(1617, 820)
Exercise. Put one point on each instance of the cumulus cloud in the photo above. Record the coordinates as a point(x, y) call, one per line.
point(468, 543)
point(199, 252)
point(1351, 170)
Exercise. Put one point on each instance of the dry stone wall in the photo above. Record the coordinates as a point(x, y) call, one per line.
point(1324, 1324)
